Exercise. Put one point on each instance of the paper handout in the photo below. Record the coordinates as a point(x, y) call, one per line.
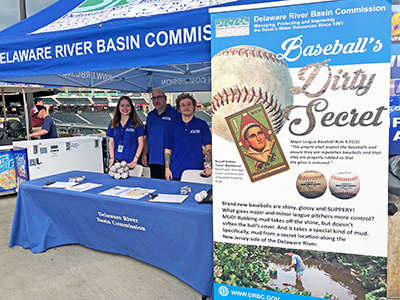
point(168, 198)
point(127, 192)
point(60, 185)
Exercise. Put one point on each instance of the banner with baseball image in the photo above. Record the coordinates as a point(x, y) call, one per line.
point(309, 178)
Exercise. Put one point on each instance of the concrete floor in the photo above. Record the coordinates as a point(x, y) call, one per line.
point(75, 272)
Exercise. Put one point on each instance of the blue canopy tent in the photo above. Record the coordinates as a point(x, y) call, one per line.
point(125, 45)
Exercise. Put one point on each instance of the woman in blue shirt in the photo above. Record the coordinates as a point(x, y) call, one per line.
point(126, 134)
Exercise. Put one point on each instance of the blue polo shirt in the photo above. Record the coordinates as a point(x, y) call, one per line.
point(157, 127)
point(129, 137)
point(186, 141)
point(50, 126)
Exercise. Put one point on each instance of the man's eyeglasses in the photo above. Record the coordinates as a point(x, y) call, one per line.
point(157, 98)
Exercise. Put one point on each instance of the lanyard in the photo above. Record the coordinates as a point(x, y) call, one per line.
point(122, 134)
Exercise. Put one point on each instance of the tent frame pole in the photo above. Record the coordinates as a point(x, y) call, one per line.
point(4, 105)
point(149, 77)
point(27, 115)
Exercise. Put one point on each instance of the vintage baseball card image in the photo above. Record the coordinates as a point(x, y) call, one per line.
point(257, 143)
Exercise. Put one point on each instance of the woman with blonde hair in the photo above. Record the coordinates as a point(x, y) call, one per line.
point(126, 134)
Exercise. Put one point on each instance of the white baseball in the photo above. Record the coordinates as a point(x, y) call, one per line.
point(344, 185)
point(244, 76)
point(311, 184)
point(200, 196)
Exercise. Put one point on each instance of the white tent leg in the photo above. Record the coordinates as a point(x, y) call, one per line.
point(150, 103)
point(4, 104)
point(149, 90)
point(27, 115)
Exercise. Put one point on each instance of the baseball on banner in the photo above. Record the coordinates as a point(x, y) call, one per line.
point(311, 184)
point(244, 76)
point(344, 185)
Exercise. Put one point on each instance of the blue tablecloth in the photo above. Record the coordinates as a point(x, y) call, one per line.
point(173, 237)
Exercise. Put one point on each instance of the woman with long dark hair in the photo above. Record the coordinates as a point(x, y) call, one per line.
point(125, 133)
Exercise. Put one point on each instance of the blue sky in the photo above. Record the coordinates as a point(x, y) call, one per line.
point(9, 12)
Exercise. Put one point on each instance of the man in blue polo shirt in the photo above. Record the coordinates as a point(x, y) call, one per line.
point(49, 128)
point(185, 141)
point(157, 124)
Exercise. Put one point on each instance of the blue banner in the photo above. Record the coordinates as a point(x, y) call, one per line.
point(224, 292)
point(291, 32)
point(394, 132)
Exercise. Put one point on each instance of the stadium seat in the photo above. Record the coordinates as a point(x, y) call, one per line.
point(194, 176)
point(137, 171)
point(99, 118)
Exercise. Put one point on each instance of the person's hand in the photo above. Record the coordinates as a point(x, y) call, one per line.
point(144, 160)
point(133, 163)
point(111, 162)
point(168, 174)
point(207, 171)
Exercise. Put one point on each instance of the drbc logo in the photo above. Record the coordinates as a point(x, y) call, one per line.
point(232, 22)
point(223, 291)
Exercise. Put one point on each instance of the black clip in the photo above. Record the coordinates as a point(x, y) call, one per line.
point(152, 196)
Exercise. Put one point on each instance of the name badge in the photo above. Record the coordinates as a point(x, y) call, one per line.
point(120, 148)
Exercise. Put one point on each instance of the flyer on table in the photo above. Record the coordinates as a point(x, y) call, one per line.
point(300, 128)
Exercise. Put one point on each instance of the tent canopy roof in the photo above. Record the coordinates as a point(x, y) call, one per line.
point(76, 43)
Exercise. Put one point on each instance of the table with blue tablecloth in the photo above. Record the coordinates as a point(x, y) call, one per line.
point(173, 237)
